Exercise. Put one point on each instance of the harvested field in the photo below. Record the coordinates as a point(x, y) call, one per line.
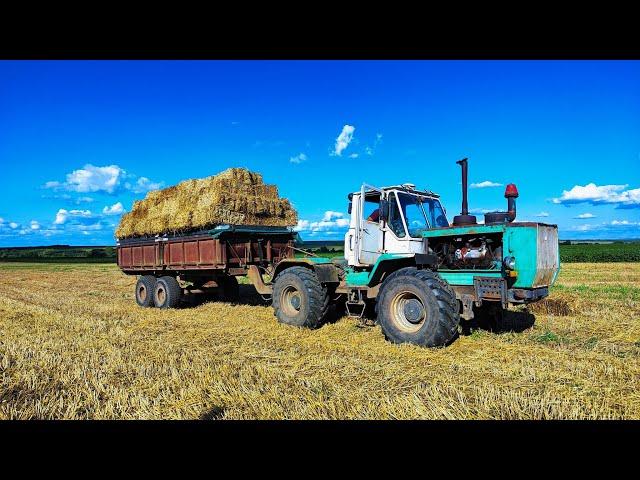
point(235, 196)
point(73, 344)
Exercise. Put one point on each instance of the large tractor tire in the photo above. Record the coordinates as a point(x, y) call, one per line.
point(145, 286)
point(419, 307)
point(167, 292)
point(299, 299)
point(230, 289)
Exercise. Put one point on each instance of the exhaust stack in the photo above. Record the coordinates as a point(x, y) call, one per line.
point(510, 193)
point(464, 218)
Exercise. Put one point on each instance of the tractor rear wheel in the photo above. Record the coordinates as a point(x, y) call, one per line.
point(299, 299)
point(144, 290)
point(167, 292)
point(419, 307)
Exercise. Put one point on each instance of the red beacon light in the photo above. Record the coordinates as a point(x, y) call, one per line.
point(511, 191)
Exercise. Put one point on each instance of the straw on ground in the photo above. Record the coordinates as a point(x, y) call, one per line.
point(73, 344)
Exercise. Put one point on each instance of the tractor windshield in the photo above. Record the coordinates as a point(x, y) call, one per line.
point(413, 213)
point(421, 213)
point(435, 213)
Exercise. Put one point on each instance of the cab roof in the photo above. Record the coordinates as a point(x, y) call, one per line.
point(404, 188)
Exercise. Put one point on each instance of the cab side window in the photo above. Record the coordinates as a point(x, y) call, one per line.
point(395, 219)
point(371, 209)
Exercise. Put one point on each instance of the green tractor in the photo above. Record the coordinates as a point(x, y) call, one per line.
point(424, 275)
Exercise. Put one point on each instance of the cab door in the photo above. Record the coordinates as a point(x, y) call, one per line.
point(369, 232)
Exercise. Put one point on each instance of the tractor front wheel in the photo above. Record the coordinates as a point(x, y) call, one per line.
point(299, 299)
point(419, 307)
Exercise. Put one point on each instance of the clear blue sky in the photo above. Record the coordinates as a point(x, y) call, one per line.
point(80, 140)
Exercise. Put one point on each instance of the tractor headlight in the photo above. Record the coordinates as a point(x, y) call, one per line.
point(510, 263)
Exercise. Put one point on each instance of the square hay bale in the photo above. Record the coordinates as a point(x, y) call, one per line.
point(235, 196)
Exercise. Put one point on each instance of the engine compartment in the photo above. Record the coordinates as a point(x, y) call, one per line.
point(468, 252)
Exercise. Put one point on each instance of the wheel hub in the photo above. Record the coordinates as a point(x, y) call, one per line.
point(291, 300)
point(413, 310)
point(295, 302)
point(408, 312)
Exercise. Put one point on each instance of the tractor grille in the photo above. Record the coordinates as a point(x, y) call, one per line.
point(547, 255)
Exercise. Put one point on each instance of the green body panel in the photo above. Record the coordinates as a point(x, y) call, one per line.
point(357, 279)
point(522, 244)
point(465, 277)
point(360, 279)
point(518, 240)
point(467, 230)
point(220, 230)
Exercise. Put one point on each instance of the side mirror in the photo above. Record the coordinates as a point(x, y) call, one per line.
point(349, 209)
point(384, 210)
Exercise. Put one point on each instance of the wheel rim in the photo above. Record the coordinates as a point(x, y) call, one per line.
point(408, 312)
point(161, 294)
point(142, 293)
point(291, 301)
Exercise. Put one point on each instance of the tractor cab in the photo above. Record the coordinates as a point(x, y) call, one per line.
point(390, 220)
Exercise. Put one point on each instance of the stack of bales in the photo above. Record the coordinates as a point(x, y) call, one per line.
point(235, 196)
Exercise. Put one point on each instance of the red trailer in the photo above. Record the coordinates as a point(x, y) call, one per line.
point(172, 265)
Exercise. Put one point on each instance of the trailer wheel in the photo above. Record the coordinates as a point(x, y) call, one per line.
point(230, 288)
point(417, 306)
point(145, 286)
point(299, 299)
point(167, 292)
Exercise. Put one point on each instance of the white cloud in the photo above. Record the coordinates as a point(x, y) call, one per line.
point(13, 225)
point(585, 215)
point(542, 214)
point(115, 209)
point(330, 215)
point(93, 226)
point(368, 149)
point(477, 211)
point(344, 139)
point(612, 226)
point(108, 179)
point(302, 225)
point(332, 223)
point(143, 185)
point(95, 179)
point(35, 225)
point(1, 220)
point(623, 222)
point(485, 184)
point(599, 195)
point(371, 150)
point(63, 215)
point(301, 157)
